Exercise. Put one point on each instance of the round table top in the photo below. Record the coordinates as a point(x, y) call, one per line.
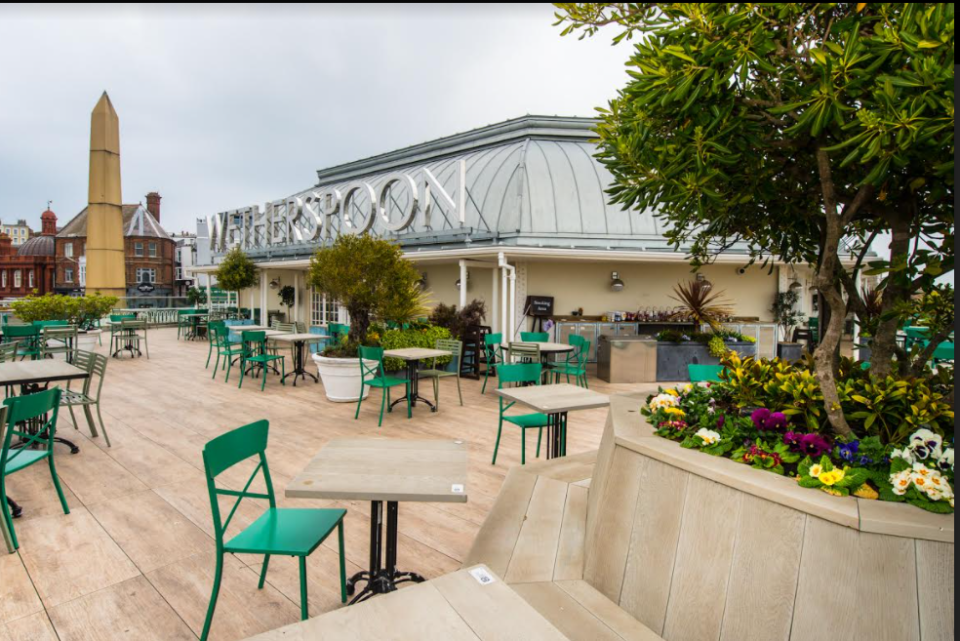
point(547, 347)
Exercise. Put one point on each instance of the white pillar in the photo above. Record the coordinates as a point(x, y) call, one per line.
point(209, 294)
point(494, 319)
point(464, 274)
point(263, 298)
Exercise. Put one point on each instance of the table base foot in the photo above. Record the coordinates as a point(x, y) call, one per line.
point(381, 582)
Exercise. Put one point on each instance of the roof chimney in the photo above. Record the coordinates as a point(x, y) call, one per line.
point(153, 204)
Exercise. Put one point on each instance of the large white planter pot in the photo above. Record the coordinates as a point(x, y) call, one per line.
point(341, 378)
point(88, 341)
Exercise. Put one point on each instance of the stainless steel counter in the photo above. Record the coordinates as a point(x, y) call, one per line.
point(627, 359)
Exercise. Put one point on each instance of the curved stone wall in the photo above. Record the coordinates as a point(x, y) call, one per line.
point(698, 547)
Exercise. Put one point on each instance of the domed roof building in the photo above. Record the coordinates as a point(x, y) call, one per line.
point(30, 267)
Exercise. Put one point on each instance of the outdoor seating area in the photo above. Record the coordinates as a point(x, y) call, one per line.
point(141, 503)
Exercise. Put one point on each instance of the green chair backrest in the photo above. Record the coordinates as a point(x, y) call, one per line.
point(96, 367)
point(534, 337)
point(704, 373)
point(289, 328)
point(22, 331)
point(368, 372)
point(8, 350)
point(117, 318)
point(301, 327)
point(51, 323)
point(492, 344)
point(517, 373)
point(250, 340)
point(25, 408)
point(228, 450)
point(525, 350)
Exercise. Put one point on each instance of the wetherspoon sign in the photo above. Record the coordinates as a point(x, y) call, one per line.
point(319, 215)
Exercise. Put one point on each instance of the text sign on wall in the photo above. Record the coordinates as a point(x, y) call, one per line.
point(320, 215)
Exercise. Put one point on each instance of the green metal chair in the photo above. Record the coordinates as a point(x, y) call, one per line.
point(183, 322)
point(576, 362)
point(27, 337)
point(704, 373)
point(452, 368)
point(376, 376)
point(254, 351)
point(213, 341)
point(493, 354)
point(135, 332)
point(8, 351)
point(40, 406)
point(116, 332)
point(95, 366)
point(295, 532)
point(232, 351)
point(58, 339)
point(520, 374)
point(534, 337)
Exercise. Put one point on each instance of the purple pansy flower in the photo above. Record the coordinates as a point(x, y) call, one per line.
point(792, 439)
point(814, 445)
point(721, 420)
point(765, 420)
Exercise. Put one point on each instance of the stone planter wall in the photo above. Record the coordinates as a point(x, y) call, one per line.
point(700, 547)
point(673, 358)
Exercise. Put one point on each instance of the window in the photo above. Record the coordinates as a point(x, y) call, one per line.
point(83, 271)
point(17, 279)
point(153, 250)
point(4, 277)
point(146, 275)
point(324, 311)
point(68, 275)
point(138, 249)
point(30, 279)
point(68, 250)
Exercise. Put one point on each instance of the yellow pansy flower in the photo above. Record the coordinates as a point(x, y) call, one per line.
point(676, 411)
point(672, 392)
point(832, 477)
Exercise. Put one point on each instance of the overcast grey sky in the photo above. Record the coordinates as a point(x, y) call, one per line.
point(221, 107)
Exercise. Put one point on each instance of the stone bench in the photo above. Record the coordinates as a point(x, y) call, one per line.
point(644, 539)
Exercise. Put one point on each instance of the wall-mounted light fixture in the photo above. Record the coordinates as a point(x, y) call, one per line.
point(423, 280)
point(706, 284)
point(275, 283)
point(468, 283)
point(615, 283)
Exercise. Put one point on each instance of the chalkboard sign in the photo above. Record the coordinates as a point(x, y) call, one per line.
point(539, 306)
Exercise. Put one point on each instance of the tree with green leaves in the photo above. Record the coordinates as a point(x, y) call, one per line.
point(803, 131)
point(196, 297)
point(236, 272)
point(369, 277)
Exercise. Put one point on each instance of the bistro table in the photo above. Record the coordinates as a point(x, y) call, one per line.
point(195, 324)
point(267, 333)
point(547, 349)
point(380, 470)
point(555, 401)
point(299, 353)
point(32, 376)
point(413, 356)
point(472, 604)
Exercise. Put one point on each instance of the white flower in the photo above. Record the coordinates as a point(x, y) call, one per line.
point(906, 454)
point(901, 482)
point(926, 444)
point(663, 400)
point(946, 459)
point(709, 436)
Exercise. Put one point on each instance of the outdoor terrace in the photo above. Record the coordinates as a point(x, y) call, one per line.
point(135, 557)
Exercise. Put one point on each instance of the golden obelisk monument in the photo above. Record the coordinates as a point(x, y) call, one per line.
point(105, 265)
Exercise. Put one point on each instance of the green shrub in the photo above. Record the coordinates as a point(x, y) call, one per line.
point(82, 311)
point(421, 337)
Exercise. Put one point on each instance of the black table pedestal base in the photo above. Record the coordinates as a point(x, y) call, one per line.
point(379, 579)
point(413, 375)
point(299, 371)
point(16, 510)
point(556, 435)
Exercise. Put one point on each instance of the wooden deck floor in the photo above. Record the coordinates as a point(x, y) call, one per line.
point(134, 558)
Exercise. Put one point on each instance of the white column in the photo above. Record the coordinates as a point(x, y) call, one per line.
point(263, 298)
point(464, 274)
point(494, 318)
point(209, 294)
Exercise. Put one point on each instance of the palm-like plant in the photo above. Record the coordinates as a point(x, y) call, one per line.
point(700, 304)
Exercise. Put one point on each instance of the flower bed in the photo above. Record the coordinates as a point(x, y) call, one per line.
point(769, 414)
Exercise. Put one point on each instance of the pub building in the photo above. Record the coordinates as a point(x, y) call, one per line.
point(513, 213)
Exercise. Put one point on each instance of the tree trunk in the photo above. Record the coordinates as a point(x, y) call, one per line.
point(895, 292)
point(826, 281)
point(359, 325)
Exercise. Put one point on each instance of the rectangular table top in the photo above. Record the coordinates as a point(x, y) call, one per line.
point(247, 328)
point(415, 353)
point(552, 399)
point(370, 469)
point(42, 371)
point(470, 604)
point(546, 346)
point(296, 338)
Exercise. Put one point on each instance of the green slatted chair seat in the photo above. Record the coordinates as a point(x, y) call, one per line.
point(289, 531)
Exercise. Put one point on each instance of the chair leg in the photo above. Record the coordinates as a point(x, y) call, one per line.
point(303, 589)
point(93, 426)
point(74, 417)
point(359, 401)
point(242, 368)
point(6, 516)
point(523, 446)
point(497, 444)
point(213, 598)
point(539, 439)
point(56, 482)
point(436, 392)
point(409, 402)
point(263, 571)
point(459, 393)
point(343, 565)
point(103, 428)
point(383, 402)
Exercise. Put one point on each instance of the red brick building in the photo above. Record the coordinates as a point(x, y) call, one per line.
point(30, 266)
point(150, 253)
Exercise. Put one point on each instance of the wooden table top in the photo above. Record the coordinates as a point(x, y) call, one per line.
point(551, 399)
point(470, 604)
point(42, 371)
point(547, 347)
point(247, 328)
point(370, 469)
point(415, 353)
point(296, 338)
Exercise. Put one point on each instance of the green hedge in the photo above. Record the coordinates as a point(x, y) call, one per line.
point(419, 337)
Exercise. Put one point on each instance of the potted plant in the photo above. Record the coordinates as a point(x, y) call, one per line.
point(83, 311)
point(287, 295)
point(786, 316)
point(236, 272)
point(700, 305)
point(196, 297)
point(373, 281)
